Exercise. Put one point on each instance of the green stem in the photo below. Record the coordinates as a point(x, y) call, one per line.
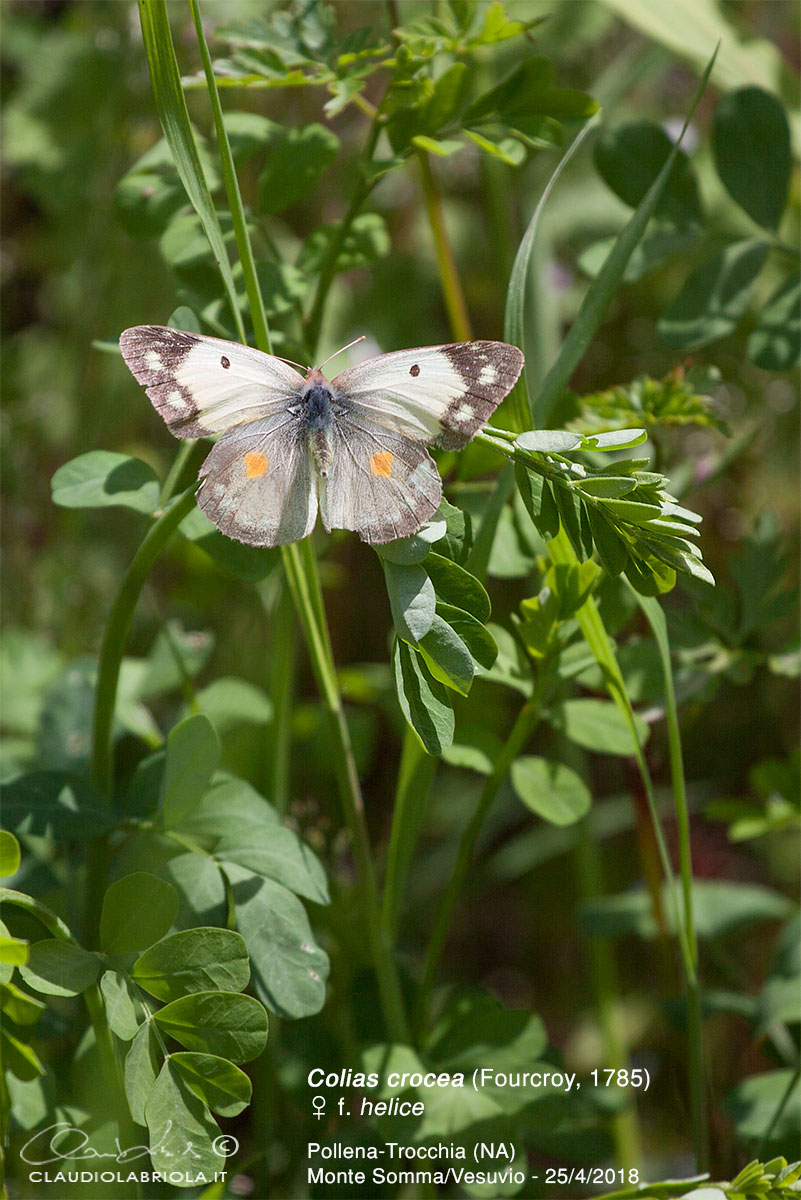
point(625, 1128)
point(697, 1073)
point(415, 777)
point(301, 570)
point(112, 648)
point(452, 292)
point(329, 268)
point(115, 636)
point(522, 730)
point(244, 248)
point(282, 681)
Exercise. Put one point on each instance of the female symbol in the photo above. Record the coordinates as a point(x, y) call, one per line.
point(318, 1104)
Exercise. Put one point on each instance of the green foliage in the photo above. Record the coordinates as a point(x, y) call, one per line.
point(751, 146)
point(136, 783)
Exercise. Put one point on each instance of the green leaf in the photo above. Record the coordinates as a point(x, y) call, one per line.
point(277, 853)
point(14, 952)
point(294, 164)
point(753, 1105)
point(245, 562)
point(610, 547)
point(120, 1008)
point(19, 1007)
point(476, 1030)
point(509, 150)
point(528, 92)
point(289, 968)
point(551, 790)
point(537, 496)
point(193, 754)
point(751, 141)
point(177, 1118)
point(366, 240)
point(248, 133)
point(223, 1023)
point(447, 657)
point(19, 1060)
point(140, 1071)
point(423, 699)
point(194, 960)
point(102, 479)
point(629, 160)
point(411, 599)
point(410, 550)
point(174, 118)
point(457, 586)
point(229, 702)
point(442, 148)
point(720, 908)
point(52, 803)
point(9, 854)
point(714, 297)
point(659, 244)
point(137, 910)
point(473, 633)
point(608, 487)
point(218, 1083)
point(598, 725)
point(59, 968)
point(549, 441)
point(775, 343)
point(614, 439)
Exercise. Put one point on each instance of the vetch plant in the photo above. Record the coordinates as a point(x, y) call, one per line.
point(205, 914)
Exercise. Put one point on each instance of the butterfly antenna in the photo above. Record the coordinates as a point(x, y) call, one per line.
point(291, 362)
point(355, 342)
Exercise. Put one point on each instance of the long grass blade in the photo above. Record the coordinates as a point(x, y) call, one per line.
point(174, 118)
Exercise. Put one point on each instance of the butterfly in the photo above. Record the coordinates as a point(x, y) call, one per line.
point(355, 447)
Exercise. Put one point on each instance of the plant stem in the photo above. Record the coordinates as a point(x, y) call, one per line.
point(625, 1128)
point(112, 648)
point(282, 678)
point(697, 1072)
point(415, 777)
point(522, 730)
point(329, 268)
point(452, 292)
point(304, 580)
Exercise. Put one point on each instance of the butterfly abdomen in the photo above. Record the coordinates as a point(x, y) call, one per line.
point(318, 414)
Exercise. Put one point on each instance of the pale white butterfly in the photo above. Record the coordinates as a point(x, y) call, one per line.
point(355, 447)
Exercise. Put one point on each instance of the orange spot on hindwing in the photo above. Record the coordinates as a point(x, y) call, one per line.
point(255, 464)
point(381, 463)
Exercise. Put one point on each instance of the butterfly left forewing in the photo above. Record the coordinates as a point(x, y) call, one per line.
point(441, 394)
point(202, 385)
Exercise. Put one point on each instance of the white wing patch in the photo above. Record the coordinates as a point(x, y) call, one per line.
point(202, 385)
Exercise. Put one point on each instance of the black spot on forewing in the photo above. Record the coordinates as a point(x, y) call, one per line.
point(414, 371)
point(225, 362)
point(154, 354)
point(488, 371)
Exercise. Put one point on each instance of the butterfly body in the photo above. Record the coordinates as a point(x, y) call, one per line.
point(353, 447)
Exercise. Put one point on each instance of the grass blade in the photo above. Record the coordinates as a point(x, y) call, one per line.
point(174, 119)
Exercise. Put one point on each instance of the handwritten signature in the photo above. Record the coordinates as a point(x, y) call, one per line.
point(50, 1141)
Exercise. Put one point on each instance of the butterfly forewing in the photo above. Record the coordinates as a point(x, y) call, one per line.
point(441, 394)
point(202, 385)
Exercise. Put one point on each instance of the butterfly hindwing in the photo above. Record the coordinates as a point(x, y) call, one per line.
point(441, 394)
point(258, 485)
point(381, 484)
point(202, 385)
